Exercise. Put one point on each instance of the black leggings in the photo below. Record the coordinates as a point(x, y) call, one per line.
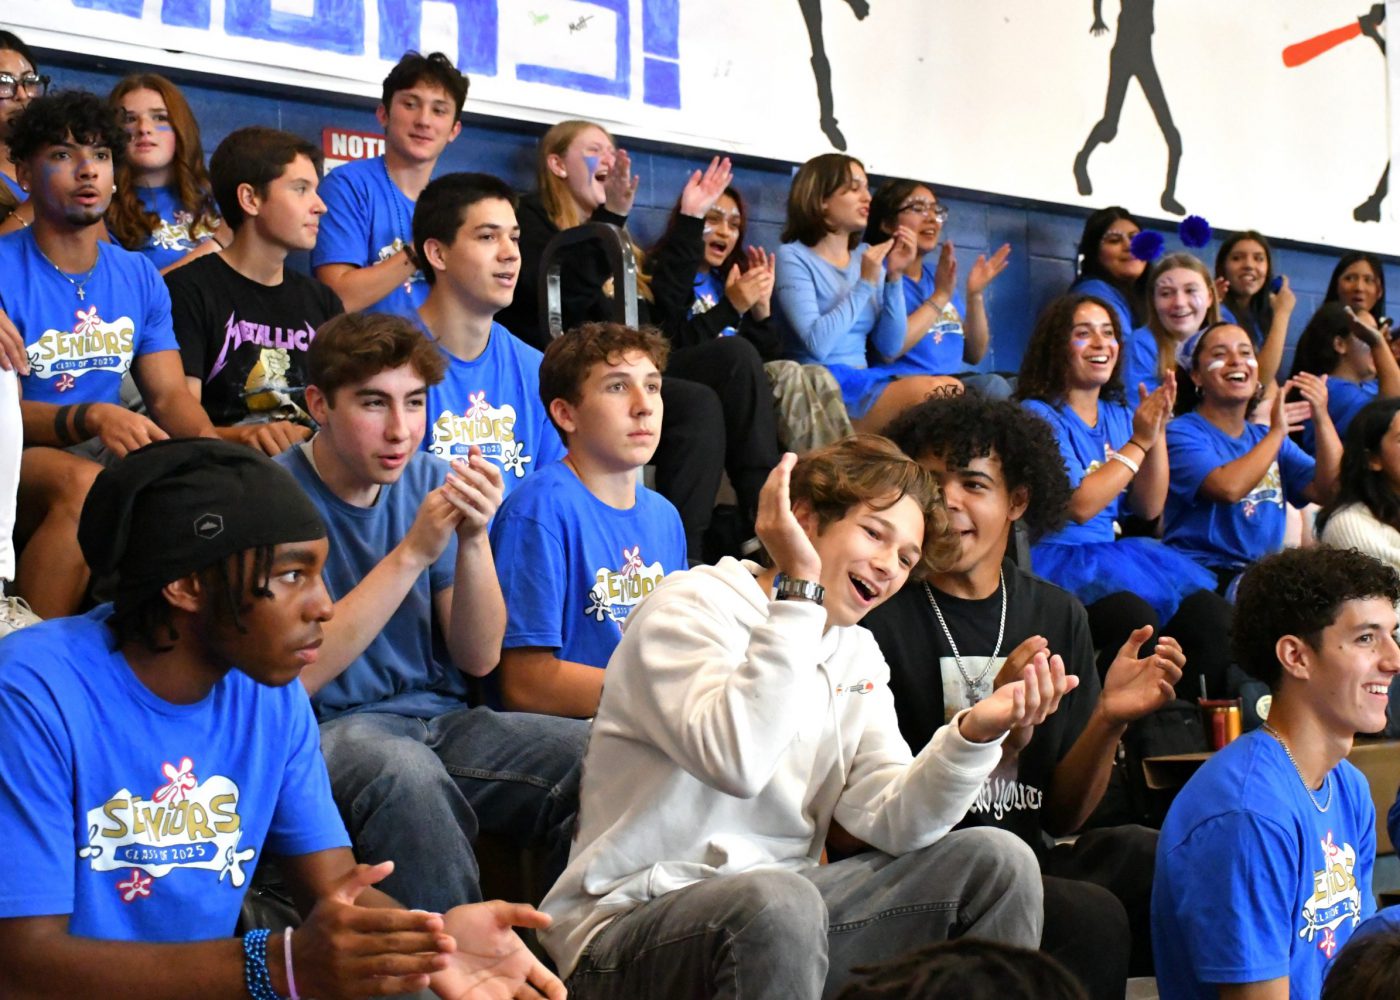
point(1201, 626)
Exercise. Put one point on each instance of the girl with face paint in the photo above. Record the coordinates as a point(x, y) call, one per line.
point(1344, 344)
point(1117, 463)
point(1180, 301)
point(164, 205)
point(952, 330)
point(1244, 277)
point(1230, 478)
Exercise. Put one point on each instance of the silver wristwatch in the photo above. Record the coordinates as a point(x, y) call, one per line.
point(786, 587)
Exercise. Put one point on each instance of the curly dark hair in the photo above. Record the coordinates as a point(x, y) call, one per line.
point(965, 969)
point(1367, 968)
point(1359, 483)
point(1300, 592)
point(1316, 351)
point(48, 121)
point(961, 428)
point(1045, 365)
point(1348, 259)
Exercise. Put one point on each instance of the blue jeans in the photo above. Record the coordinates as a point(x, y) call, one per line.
point(797, 935)
point(418, 791)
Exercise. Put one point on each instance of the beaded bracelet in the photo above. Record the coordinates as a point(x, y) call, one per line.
point(255, 975)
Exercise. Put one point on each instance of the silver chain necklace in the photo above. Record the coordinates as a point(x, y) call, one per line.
point(77, 285)
point(978, 687)
point(1294, 761)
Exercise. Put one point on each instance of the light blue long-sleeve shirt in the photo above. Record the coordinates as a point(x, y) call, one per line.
point(827, 314)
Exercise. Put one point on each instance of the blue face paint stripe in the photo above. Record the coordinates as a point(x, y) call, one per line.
point(591, 162)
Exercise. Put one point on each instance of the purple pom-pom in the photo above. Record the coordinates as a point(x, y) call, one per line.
point(1147, 245)
point(1194, 231)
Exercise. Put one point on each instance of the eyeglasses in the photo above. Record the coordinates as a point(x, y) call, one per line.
point(926, 209)
point(714, 217)
point(1114, 238)
point(34, 84)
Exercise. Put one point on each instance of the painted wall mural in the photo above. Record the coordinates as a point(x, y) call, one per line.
point(1271, 114)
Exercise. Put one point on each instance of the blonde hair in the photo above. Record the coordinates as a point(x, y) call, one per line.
point(1166, 343)
point(870, 469)
point(556, 197)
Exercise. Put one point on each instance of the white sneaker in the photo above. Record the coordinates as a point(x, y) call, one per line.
point(15, 614)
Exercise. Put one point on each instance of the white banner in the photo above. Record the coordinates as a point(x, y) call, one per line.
point(1271, 115)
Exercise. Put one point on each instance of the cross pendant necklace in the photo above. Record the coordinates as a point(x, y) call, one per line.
point(77, 285)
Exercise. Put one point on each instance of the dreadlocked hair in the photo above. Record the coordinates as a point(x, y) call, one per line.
point(145, 616)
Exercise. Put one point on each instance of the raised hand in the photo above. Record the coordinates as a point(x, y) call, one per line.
point(1283, 300)
point(702, 190)
point(1012, 670)
point(1137, 686)
point(347, 950)
point(475, 489)
point(490, 961)
point(1313, 389)
point(777, 527)
point(761, 260)
point(1154, 410)
point(872, 261)
point(620, 187)
point(1027, 701)
point(903, 249)
point(432, 528)
point(985, 269)
point(945, 277)
point(745, 290)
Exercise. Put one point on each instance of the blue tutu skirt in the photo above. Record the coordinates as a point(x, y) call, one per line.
point(860, 387)
point(1160, 575)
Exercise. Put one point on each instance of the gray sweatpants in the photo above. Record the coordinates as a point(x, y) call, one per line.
point(771, 933)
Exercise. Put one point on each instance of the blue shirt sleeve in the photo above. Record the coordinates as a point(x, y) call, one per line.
point(37, 803)
point(1191, 458)
point(344, 233)
point(797, 296)
point(1297, 468)
point(892, 326)
point(1231, 870)
point(1046, 412)
point(305, 819)
point(531, 564)
point(158, 330)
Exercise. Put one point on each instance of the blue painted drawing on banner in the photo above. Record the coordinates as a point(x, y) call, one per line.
point(339, 26)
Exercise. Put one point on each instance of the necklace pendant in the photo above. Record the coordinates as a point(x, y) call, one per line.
point(978, 689)
point(81, 296)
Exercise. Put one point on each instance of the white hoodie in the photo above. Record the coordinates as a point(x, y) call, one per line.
point(730, 733)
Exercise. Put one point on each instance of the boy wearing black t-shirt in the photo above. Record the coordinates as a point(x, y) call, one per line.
point(243, 319)
point(982, 620)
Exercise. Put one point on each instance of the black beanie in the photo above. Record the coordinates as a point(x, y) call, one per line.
point(176, 507)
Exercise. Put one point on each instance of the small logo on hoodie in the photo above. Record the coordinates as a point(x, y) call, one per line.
point(862, 686)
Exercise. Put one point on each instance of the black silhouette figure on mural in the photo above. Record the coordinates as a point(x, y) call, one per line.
point(1132, 57)
point(821, 68)
point(1368, 24)
point(1370, 209)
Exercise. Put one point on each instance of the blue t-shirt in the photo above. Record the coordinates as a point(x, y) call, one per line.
point(830, 315)
point(709, 292)
point(493, 402)
point(1344, 401)
point(79, 348)
point(1140, 363)
point(179, 231)
point(572, 568)
point(1101, 289)
point(940, 351)
point(1253, 882)
point(143, 819)
point(405, 670)
point(1221, 535)
point(1085, 449)
point(368, 219)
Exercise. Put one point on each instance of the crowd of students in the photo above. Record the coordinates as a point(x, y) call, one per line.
point(393, 482)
